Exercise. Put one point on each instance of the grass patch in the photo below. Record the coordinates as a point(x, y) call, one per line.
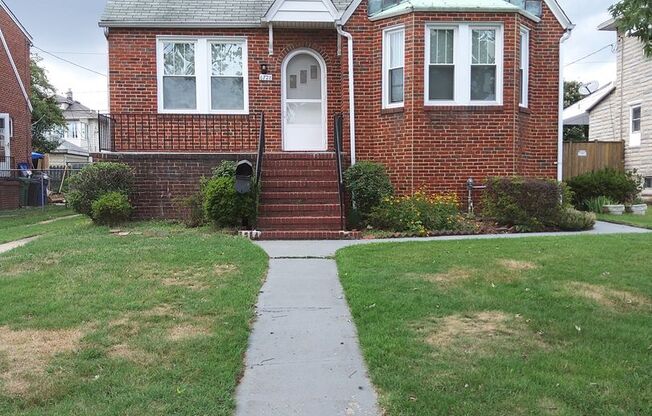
point(154, 322)
point(525, 326)
point(643, 221)
point(28, 222)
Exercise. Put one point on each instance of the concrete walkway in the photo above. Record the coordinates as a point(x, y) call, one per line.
point(15, 244)
point(303, 356)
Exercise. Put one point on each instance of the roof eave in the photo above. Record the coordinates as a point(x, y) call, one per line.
point(608, 26)
point(16, 21)
point(178, 25)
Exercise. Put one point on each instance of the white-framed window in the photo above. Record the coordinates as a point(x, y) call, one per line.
point(648, 182)
point(72, 132)
point(524, 67)
point(203, 75)
point(635, 118)
point(393, 67)
point(468, 68)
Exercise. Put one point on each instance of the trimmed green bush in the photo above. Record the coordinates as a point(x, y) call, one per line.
point(368, 184)
point(194, 206)
point(417, 214)
point(226, 169)
point(227, 208)
point(94, 181)
point(528, 204)
point(111, 208)
point(620, 187)
point(574, 220)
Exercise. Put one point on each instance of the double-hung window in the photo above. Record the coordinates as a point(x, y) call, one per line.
point(635, 125)
point(464, 64)
point(202, 75)
point(524, 67)
point(393, 67)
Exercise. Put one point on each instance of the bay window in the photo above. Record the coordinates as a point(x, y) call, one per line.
point(464, 64)
point(202, 75)
point(393, 67)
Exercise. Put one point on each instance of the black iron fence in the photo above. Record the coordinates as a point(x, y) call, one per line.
point(7, 166)
point(152, 132)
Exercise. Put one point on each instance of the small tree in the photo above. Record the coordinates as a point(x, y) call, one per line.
point(634, 17)
point(46, 116)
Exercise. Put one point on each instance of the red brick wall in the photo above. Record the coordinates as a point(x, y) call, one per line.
point(9, 194)
point(164, 180)
point(12, 100)
point(433, 148)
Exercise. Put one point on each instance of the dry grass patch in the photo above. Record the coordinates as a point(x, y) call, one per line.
point(453, 275)
point(32, 265)
point(473, 333)
point(127, 352)
point(611, 298)
point(187, 331)
point(192, 277)
point(29, 352)
point(517, 265)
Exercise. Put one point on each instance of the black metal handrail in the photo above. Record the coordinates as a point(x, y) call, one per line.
point(339, 122)
point(261, 149)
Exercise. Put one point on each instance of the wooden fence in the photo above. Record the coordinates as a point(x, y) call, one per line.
point(585, 157)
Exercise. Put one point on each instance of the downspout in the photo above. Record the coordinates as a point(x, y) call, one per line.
point(560, 140)
point(349, 42)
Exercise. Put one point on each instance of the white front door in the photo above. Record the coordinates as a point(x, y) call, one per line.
point(304, 102)
point(5, 145)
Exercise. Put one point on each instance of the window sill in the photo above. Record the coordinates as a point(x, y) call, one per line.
point(392, 110)
point(495, 108)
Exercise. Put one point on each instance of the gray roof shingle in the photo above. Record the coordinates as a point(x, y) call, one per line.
point(190, 12)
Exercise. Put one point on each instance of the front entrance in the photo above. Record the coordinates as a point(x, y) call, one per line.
point(5, 145)
point(303, 102)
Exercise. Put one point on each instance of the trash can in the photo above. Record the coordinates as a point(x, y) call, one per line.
point(244, 170)
point(24, 191)
point(38, 191)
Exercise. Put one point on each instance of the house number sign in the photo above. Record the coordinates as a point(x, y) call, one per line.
point(265, 77)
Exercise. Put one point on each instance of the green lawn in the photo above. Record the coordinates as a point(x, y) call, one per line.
point(558, 326)
point(644, 221)
point(24, 223)
point(152, 323)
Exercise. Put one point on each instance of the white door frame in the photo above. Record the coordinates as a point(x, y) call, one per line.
point(324, 95)
point(5, 161)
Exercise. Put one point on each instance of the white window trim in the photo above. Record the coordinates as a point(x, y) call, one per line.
point(386, 104)
point(462, 59)
point(525, 66)
point(635, 137)
point(202, 72)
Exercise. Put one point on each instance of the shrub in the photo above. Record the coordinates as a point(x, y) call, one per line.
point(528, 204)
point(596, 204)
point(194, 206)
point(226, 169)
point(226, 207)
point(368, 184)
point(111, 208)
point(418, 214)
point(574, 220)
point(620, 187)
point(94, 181)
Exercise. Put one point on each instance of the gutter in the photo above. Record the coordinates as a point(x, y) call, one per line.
point(560, 139)
point(349, 42)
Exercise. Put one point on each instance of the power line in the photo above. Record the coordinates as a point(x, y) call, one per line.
point(79, 53)
point(69, 62)
point(611, 45)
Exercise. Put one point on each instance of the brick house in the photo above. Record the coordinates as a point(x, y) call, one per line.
point(15, 106)
point(436, 90)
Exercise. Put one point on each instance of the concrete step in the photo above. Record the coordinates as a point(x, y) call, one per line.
point(308, 235)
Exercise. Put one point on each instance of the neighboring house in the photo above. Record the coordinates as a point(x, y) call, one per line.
point(596, 111)
point(436, 90)
point(15, 106)
point(624, 111)
point(80, 137)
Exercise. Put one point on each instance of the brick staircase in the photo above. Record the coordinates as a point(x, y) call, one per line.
point(300, 198)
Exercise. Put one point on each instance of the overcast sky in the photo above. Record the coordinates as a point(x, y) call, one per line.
point(68, 29)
